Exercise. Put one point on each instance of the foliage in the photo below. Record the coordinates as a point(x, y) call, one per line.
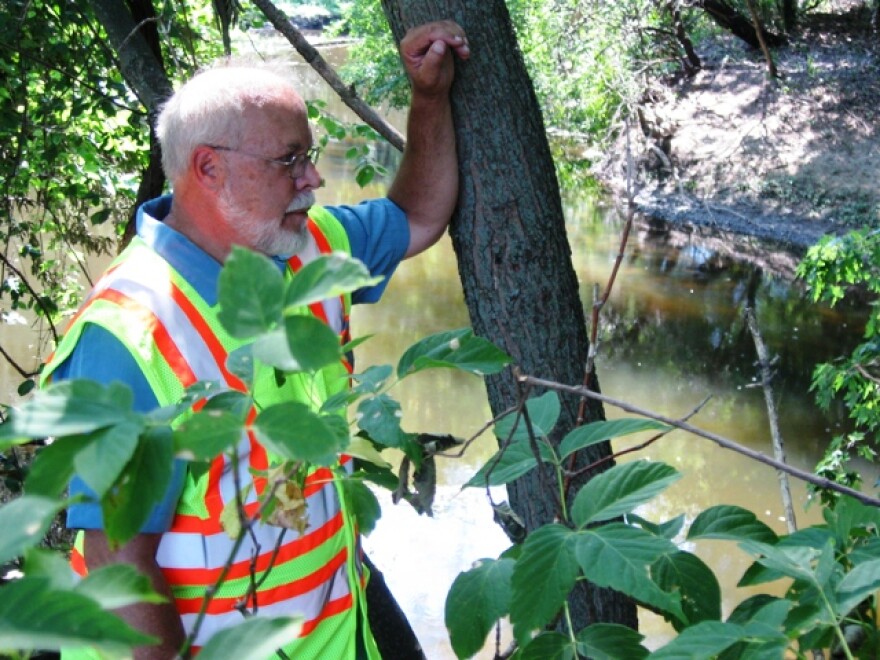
point(833, 568)
point(831, 269)
point(126, 457)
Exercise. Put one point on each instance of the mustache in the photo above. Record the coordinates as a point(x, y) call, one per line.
point(304, 200)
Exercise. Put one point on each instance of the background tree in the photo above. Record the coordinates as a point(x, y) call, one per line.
point(509, 235)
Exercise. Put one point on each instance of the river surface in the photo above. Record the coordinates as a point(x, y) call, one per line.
point(671, 335)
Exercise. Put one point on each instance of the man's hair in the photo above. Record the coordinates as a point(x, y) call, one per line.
point(208, 109)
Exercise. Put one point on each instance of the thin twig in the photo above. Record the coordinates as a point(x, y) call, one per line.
point(319, 64)
point(717, 439)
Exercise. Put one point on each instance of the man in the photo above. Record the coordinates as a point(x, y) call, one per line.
point(238, 150)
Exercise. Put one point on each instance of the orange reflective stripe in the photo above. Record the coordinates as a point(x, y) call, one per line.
point(161, 336)
point(332, 608)
point(219, 605)
point(317, 480)
point(78, 563)
point(320, 239)
point(287, 552)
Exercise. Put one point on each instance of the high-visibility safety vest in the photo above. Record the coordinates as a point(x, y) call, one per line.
point(177, 340)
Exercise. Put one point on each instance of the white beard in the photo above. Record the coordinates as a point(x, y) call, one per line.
point(267, 235)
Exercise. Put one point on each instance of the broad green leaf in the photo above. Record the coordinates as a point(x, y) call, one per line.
point(362, 504)
point(456, 349)
point(100, 462)
point(143, 484)
point(293, 432)
point(848, 515)
point(52, 468)
point(509, 464)
point(731, 523)
point(867, 550)
point(363, 449)
point(33, 616)
point(544, 574)
point(327, 276)
point(620, 490)
point(668, 529)
point(24, 521)
point(249, 291)
point(118, 585)
point(240, 363)
point(69, 408)
point(206, 434)
point(543, 414)
point(231, 401)
point(257, 637)
point(49, 565)
point(373, 379)
point(379, 416)
point(303, 344)
point(618, 556)
point(752, 607)
point(694, 580)
point(596, 432)
point(611, 641)
point(795, 562)
point(549, 646)
point(704, 640)
point(858, 584)
point(477, 599)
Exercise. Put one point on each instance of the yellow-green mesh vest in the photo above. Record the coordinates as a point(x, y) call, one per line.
point(176, 339)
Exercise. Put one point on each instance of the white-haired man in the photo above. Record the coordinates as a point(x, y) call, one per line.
point(239, 152)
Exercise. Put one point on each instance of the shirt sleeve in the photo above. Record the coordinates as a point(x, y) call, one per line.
point(100, 357)
point(378, 233)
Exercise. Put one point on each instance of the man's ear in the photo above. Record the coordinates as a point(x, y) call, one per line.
point(208, 167)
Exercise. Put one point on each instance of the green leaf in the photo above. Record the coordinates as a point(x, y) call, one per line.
point(731, 523)
point(361, 448)
point(52, 468)
point(33, 616)
point(24, 521)
point(618, 556)
point(549, 646)
point(206, 434)
point(455, 349)
point(543, 415)
point(49, 565)
point(303, 344)
point(363, 505)
point(68, 408)
point(292, 431)
point(596, 432)
point(477, 599)
point(118, 585)
point(100, 462)
point(372, 379)
point(704, 640)
point(509, 464)
point(379, 416)
point(795, 562)
point(619, 490)
point(240, 363)
point(694, 580)
point(249, 291)
point(257, 637)
point(326, 277)
point(365, 175)
point(544, 574)
point(858, 584)
point(142, 485)
point(611, 641)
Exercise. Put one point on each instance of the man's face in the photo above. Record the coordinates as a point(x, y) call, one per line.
point(265, 207)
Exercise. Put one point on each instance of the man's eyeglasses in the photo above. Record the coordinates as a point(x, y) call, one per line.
point(296, 164)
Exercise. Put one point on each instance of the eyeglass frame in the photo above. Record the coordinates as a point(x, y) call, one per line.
point(302, 160)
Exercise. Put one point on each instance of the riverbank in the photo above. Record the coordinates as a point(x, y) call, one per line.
point(786, 161)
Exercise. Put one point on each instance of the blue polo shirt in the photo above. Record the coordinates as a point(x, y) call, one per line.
point(379, 236)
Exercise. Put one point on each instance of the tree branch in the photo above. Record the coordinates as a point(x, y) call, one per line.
point(313, 58)
point(721, 441)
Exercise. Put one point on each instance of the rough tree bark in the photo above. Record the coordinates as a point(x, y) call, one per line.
point(728, 17)
point(513, 253)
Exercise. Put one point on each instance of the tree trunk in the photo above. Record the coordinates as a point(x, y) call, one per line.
point(513, 253)
point(730, 19)
point(133, 31)
point(789, 14)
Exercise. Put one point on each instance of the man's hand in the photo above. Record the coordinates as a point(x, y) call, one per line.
point(427, 50)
